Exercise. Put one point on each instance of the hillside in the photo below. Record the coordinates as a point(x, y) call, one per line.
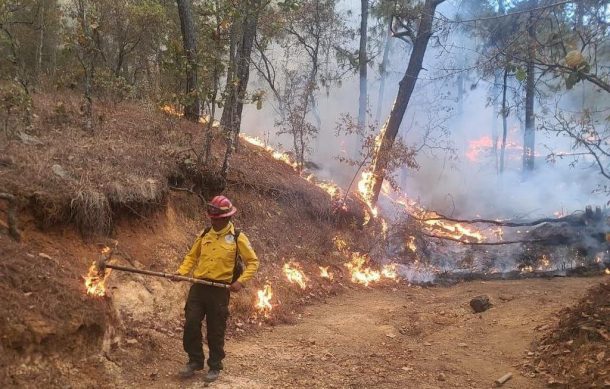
point(136, 181)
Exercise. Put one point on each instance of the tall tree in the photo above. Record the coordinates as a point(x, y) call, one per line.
point(383, 71)
point(309, 34)
point(363, 62)
point(529, 136)
point(243, 33)
point(419, 41)
point(192, 108)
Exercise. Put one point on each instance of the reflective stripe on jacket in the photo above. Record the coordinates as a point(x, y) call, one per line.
point(213, 256)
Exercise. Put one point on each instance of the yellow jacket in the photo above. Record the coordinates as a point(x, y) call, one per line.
point(213, 256)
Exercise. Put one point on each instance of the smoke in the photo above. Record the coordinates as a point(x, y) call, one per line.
point(451, 120)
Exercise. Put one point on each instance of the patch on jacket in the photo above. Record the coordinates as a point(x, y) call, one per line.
point(229, 238)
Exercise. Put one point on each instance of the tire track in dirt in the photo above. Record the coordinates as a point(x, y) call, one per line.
point(401, 337)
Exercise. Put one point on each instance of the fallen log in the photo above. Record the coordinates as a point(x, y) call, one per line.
point(500, 243)
point(450, 278)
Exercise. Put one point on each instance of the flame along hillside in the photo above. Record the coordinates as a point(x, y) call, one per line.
point(137, 181)
point(521, 256)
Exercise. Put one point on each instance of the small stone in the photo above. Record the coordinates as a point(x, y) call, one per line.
point(441, 377)
point(59, 171)
point(390, 335)
point(45, 256)
point(506, 297)
point(427, 344)
point(131, 341)
point(462, 345)
point(480, 304)
point(407, 368)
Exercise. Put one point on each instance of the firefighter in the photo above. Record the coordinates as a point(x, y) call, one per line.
point(220, 254)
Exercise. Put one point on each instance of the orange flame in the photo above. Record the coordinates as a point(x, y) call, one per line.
point(263, 305)
point(365, 189)
point(454, 230)
point(94, 283)
point(324, 273)
point(545, 264)
point(340, 243)
point(607, 271)
point(411, 244)
point(360, 274)
point(389, 271)
point(527, 269)
point(170, 110)
point(295, 275)
point(284, 157)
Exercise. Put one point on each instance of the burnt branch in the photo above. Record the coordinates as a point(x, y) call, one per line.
point(484, 243)
point(503, 223)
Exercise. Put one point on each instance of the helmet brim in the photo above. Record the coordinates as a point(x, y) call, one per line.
point(230, 213)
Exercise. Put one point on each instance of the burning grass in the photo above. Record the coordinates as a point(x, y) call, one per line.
point(43, 313)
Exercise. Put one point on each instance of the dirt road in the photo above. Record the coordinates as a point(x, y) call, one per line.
point(402, 337)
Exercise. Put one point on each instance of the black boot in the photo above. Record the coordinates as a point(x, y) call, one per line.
point(212, 375)
point(189, 369)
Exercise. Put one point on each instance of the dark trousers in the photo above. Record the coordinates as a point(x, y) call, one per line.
point(211, 303)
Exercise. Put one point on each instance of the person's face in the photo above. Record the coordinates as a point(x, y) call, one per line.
point(219, 224)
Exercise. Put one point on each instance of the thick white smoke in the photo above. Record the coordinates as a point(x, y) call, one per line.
point(466, 184)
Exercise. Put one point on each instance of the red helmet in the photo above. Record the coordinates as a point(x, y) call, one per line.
point(220, 207)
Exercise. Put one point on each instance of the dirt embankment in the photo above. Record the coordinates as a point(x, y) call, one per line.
point(136, 180)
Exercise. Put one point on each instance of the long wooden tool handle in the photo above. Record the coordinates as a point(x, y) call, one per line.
point(168, 275)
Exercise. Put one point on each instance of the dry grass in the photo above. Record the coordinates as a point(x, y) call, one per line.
point(576, 353)
point(44, 312)
point(129, 163)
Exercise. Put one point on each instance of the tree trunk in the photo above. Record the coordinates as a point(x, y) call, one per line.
point(529, 136)
point(192, 109)
point(383, 72)
point(504, 119)
point(237, 88)
point(41, 38)
point(363, 62)
point(494, 118)
point(405, 90)
point(87, 58)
